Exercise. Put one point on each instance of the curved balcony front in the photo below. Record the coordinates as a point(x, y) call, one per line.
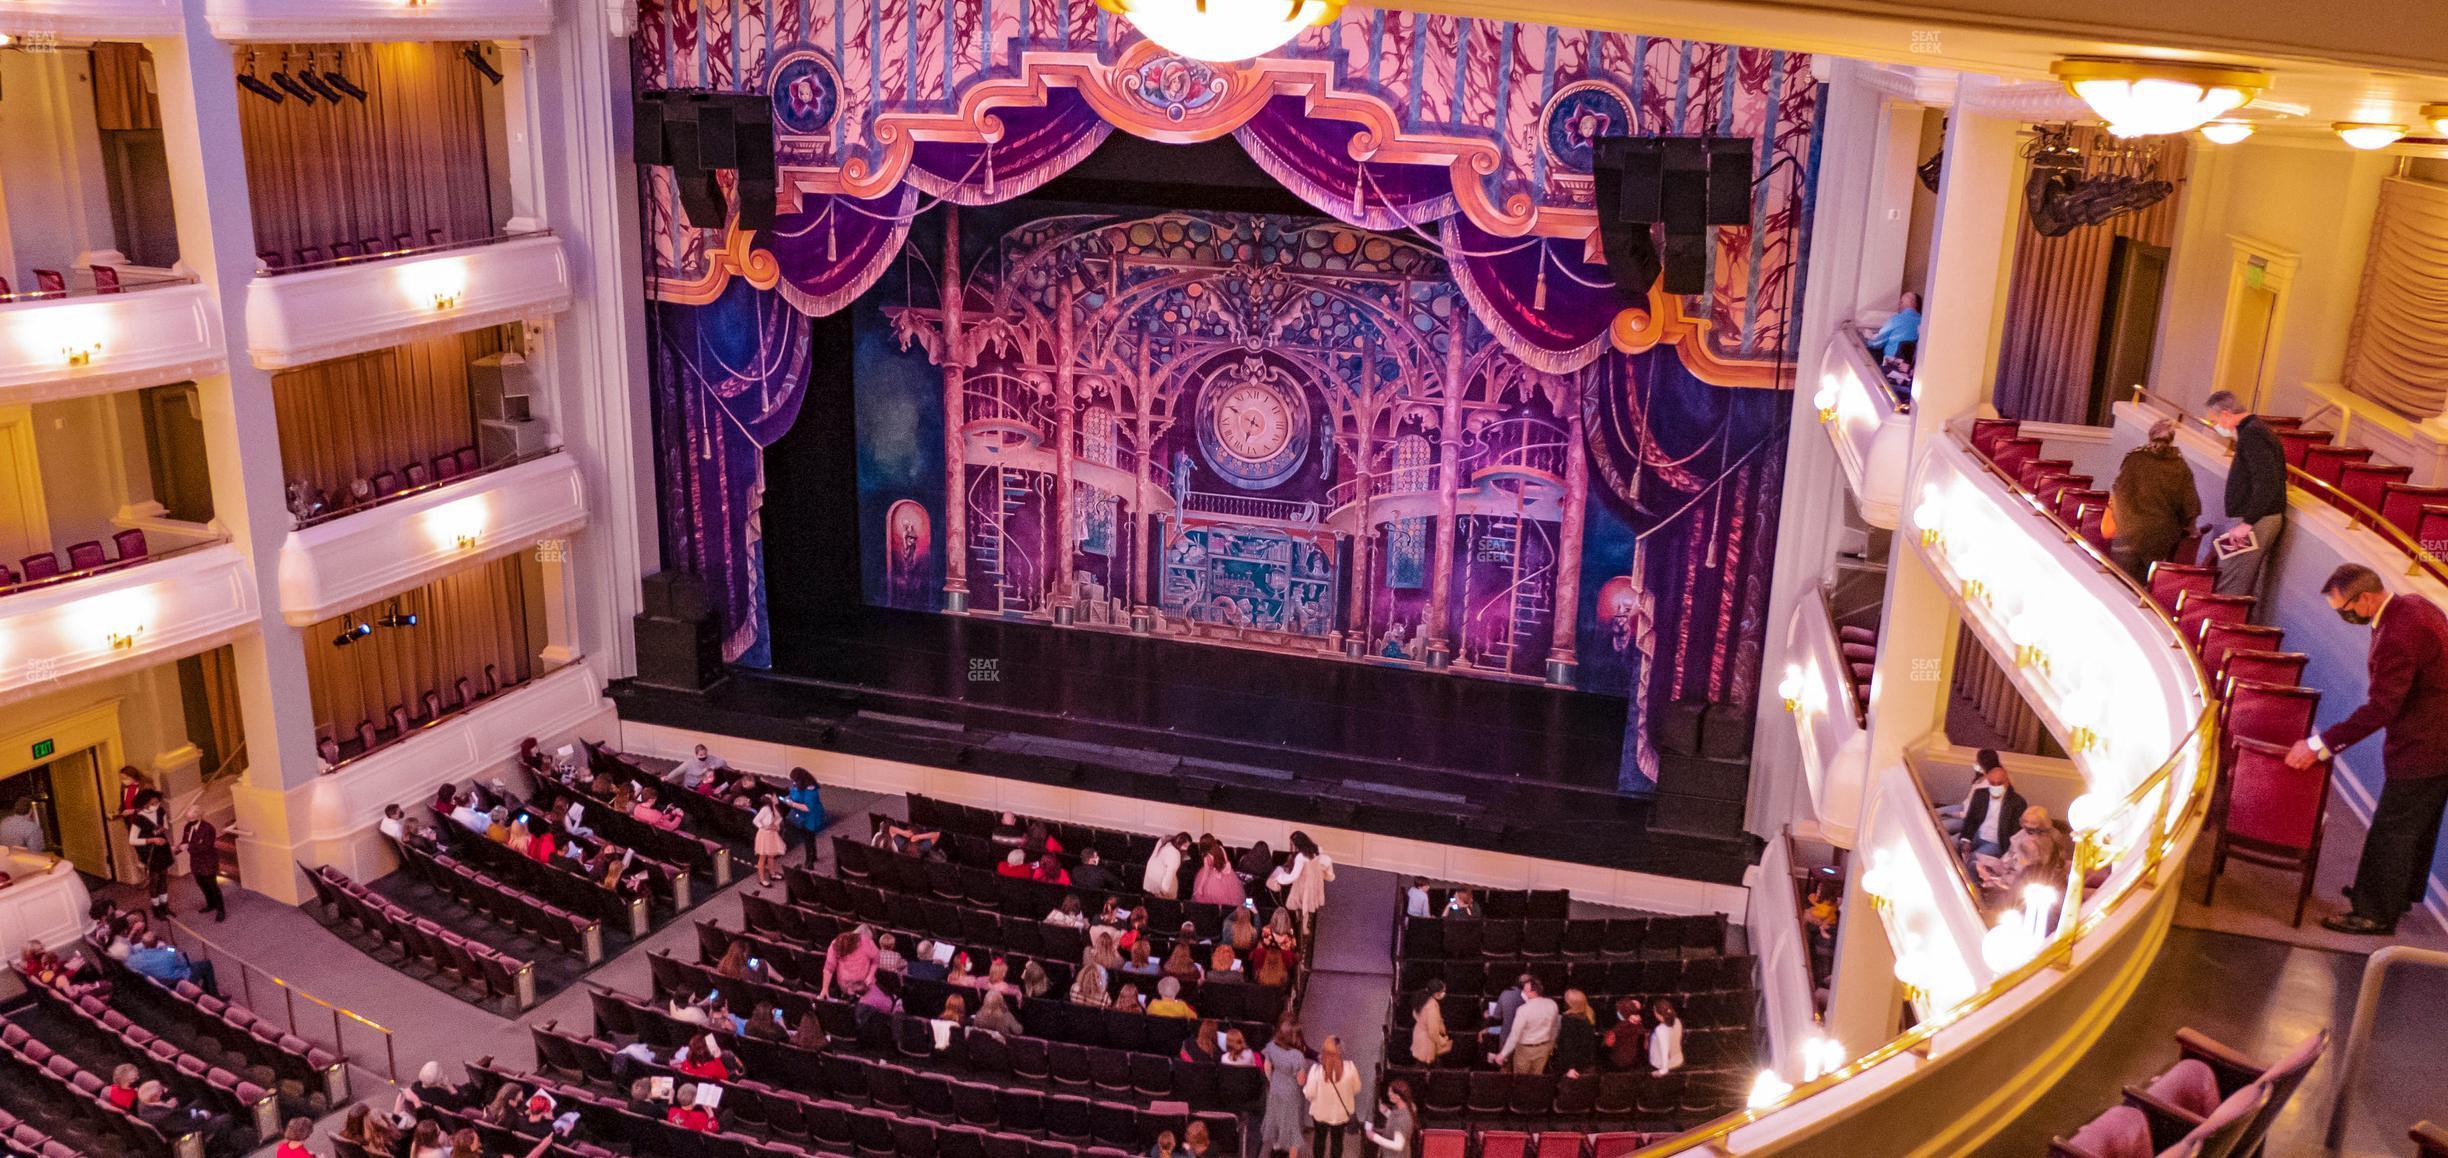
point(377, 20)
point(355, 559)
point(1871, 430)
point(90, 19)
point(350, 306)
point(68, 344)
point(165, 608)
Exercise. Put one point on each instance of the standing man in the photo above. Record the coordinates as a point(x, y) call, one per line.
point(2256, 497)
point(2408, 696)
point(202, 840)
point(1531, 1039)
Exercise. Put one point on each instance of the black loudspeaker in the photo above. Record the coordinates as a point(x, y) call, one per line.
point(1729, 181)
point(759, 181)
point(689, 599)
point(717, 132)
point(700, 133)
point(1626, 197)
point(646, 134)
point(1685, 184)
point(701, 199)
point(655, 594)
point(676, 653)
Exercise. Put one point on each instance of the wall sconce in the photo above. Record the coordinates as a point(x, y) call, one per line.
point(2081, 739)
point(124, 639)
point(465, 540)
point(1822, 1056)
point(1825, 400)
point(1930, 517)
point(1768, 1089)
point(1790, 688)
point(440, 284)
point(82, 354)
point(459, 526)
point(2026, 631)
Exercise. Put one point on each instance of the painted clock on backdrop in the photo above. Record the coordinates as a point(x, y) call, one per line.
point(1253, 423)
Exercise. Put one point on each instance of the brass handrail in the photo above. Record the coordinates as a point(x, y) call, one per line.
point(290, 993)
point(2059, 951)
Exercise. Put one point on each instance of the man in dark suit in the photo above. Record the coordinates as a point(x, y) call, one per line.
point(2256, 497)
point(2408, 696)
point(1991, 811)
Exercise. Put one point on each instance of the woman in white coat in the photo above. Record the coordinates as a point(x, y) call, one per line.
point(1163, 876)
point(1666, 1040)
point(1303, 881)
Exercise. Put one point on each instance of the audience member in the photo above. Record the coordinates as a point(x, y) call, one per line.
point(1331, 1087)
point(1162, 878)
point(1068, 914)
point(697, 769)
point(1666, 1039)
point(995, 1016)
point(1627, 1040)
point(2256, 497)
point(1089, 984)
point(888, 954)
point(1205, 1044)
point(1216, 883)
point(2153, 503)
point(1303, 881)
point(1576, 1037)
point(1462, 903)
point(850, 964)
point(1531, 1039)
point(1901, 330)
point(2037, 854)
point(771, 845)
point(807, 811)
point(1987, 811)
point(1091, 876)
point(1415, 898)
point(163, 962)
point(1049, 870)
point(1429, 1041)
point(1169, 1001)
point(20, 829)
point(149, 832)
point(1237, 1051)
point(1390, 1131)
point(1283, 1125)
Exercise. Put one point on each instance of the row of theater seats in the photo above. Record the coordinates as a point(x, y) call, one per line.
point(362, 249)
point(28, 1140)
point(718, 817)
point(833, 1127)
point(308, 501)
point(1584, 938)
point(1544, 1144)
point(1049, 1018)
point(2372, 493)
point(514, 911)
point(107, 1038)
point(969, 839)
point(1016, 1068)
point(405, 718)
point(86, 558)
point(2212, 1103)
point(52, 283)
point(561, 885)
point(880, 885)
point(678, 848)
point(215, 1028)
point(1859, 647)
point(425, 944)
point(1706, 1087)
point(1476, 980)
point(56, 1083)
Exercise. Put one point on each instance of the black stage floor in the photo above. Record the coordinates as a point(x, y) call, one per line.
point(1512, 767)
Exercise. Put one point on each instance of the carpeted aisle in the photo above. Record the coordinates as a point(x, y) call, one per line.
point(1351, 978)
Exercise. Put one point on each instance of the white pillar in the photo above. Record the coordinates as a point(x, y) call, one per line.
point(1887, 224)
point(1908, 690)
point(197, 78)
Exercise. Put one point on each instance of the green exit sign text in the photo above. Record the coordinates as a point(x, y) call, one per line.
point(42, 748)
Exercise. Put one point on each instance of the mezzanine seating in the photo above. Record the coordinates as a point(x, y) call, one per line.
point(440, 952)
point(2213, 1102)
point(1478, 1143)
point(85, 558)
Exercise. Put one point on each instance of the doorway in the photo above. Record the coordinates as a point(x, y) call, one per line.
point(71, 803)
point(2129, 325)
point(2243, 362)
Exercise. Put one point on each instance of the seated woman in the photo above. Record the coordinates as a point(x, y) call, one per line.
point(647, 810)
point(2037, 854)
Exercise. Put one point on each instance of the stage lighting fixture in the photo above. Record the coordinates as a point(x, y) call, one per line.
point(289, 84)
point(249, 81)
point(1687, 185)
point(2143, 98)
point(356, 630)
point(395, 619)
point(333, 77)
point(476, 58)
point(314, 80)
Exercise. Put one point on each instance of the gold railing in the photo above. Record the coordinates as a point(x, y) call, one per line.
point(2198, 745)
point(222, 958)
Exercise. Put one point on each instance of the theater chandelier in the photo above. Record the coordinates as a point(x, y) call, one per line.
point(1222, 30)
point(2143, 98)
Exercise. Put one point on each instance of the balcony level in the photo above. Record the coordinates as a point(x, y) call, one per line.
point(377, 20)
point(1870, 422)
point(347, 306)
point(151, 330)
point(118, 619)
point(415, 536)
point(90, 19)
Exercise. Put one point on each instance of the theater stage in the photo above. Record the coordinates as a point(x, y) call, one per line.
point(1515, 768)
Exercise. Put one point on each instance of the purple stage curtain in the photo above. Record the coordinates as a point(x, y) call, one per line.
point(1312, 158)
point(1547, 306)
point(834, 247)
point(1038, 145)
point(731, 375)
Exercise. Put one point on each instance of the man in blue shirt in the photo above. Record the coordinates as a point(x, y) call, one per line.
point(1902, 326)
point(163, 962)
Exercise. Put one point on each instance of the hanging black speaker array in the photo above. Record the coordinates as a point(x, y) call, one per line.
point(1658, 197)
point(698, 134)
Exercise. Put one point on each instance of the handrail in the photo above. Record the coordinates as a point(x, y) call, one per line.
point(128, 283)
point(2090, 853)
point(220, 954)
point(2367, 1011)
point(2419, 559)
point(429, 486)
point(108, 567)
point(413, 251)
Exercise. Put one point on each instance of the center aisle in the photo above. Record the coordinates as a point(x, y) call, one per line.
point(1351, 976)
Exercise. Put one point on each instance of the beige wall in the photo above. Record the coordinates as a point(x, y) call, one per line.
point(2313, 202)
point(92, 452)
point(52, 183)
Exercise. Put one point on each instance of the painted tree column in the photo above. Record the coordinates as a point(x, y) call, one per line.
point(1561, 655)
point(1066, 428)
point(1449, 488)
point(1366, 415)
point(1134, 586)
point(956, 415)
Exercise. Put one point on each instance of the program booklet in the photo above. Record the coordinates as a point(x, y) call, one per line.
point(2228, 548)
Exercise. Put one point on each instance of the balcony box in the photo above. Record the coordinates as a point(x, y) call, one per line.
point(89, 343)
point(353, 560)
point(90, 19)
point(1873, 435)
point(167, 608)
point(350, 307)
point(378, 20)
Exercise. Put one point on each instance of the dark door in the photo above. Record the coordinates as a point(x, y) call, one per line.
point(2129, 325)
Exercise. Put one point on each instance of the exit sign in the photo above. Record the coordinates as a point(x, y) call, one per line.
point(43, 748)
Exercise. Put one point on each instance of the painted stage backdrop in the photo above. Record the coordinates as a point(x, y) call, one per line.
point(1416, 428)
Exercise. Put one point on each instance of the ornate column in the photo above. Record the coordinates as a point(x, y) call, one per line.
point(1066, 428)
point(1356, 641)
point(956, 466)
point(1143, 521)
point(1438, 626)
point(1561, 659)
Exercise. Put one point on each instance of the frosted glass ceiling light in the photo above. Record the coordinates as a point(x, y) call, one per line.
point(2147, 98)
point(2365, 135)
point(2437, 115)
point(2226, 132)
point(1223, 30)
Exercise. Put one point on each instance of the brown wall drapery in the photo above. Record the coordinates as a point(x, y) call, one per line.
point(123, 88)
point(2397, 350)
point(408, 159)
point(1984, 687)
point(2055, 291)
point(355, 417)
point(466, 619)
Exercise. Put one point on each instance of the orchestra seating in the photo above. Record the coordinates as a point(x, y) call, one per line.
point(445, 959)
point(2212, 1097)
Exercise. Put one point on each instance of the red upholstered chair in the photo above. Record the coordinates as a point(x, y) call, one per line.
point(2270, 713)
point(469, 460)
point(1616, 1143)
point(1444, 1143)
point(373, 246)
point(2012, 453)
point(2050, 487)
point(1988, 432)
point(2325, 462)
point(367, 738)
point(1559, 1144)
point(2281, 421)
point(2401, 504)
point(106, 279)
point(492, 680)
point(433, 705)
point(2431, 531)
point(2367, 484)
point(342, 250)
point(2297, 442)
point(400, 723)
point(2089, 522)
point(386, 484)
point(2072, 500)
point(466, 690)
point(87, 555)
point(435, 237)
point(2282, 668)
point(2029, 474)
point(2121, 1132)
point(445, 468)
point(1504, 1144)
point(271, 262)
point(5, 291)
point(2196, 608)
point(2273, 816)
point(416, 474)
point(310, 255)
point(130, 544)
point(50, 281)
point(2169, 582)
point(2220, 640)
point(8, 578)
point(2218, 1134)
point(37, 567)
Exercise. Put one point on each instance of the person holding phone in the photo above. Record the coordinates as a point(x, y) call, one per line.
point(1390, 1133)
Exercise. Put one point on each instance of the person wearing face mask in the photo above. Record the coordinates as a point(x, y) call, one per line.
point(2408, 697)
point(1989, 814)
point(2037, 855)
point(2256, 497)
